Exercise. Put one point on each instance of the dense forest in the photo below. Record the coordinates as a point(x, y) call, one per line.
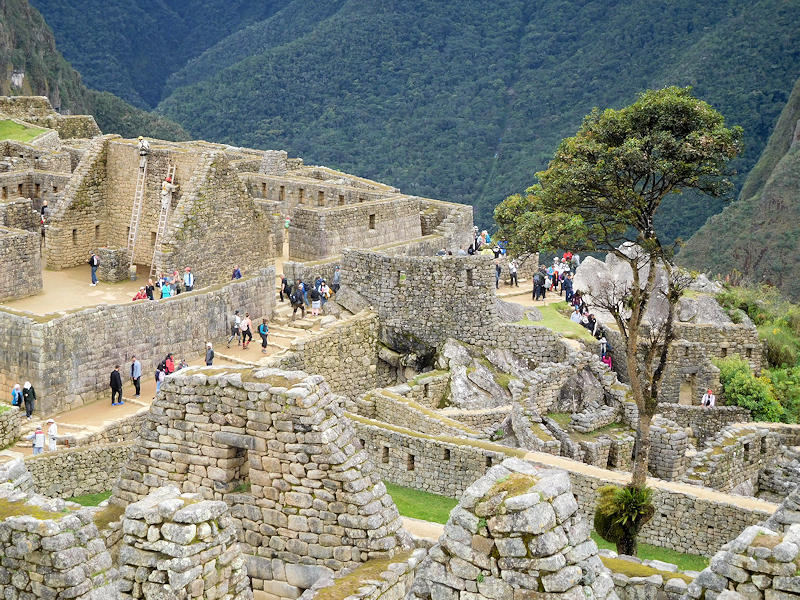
point(461, 102)
point(27, 45)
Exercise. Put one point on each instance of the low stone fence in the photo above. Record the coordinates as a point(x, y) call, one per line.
point(77, 471)
point(687, 519)
point(10, 421)
point(124, 430)
point(635, 579)
point(387, 579)
point(404, 412)
point(479, 419)
point(705, 422)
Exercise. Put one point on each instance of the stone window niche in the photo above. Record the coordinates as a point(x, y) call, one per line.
point(372, 221)
point(75, 237)
point(263, 190)
point(446, 454)
point(55, 189)
point(488, 461)
point(282, 194)
point(321, 198)
point(301, 196)
point(401, 278)
point(37, 190)
point(385, 454)
point(153, 238)
point(410, 462)
point(19, 189)
point(341, 199)
point(5, 192)
point(747, 455)
point(470, 280)
point(97, 233)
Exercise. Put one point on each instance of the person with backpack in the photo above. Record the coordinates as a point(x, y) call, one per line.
point(169, 364)
point(115, 383)
point(316, 301)
point(160, 375)
point(297, 301)
point(29, 398)
point(236, 329)
point(247, 331)
point(94, 262)
point(38, 438)
point(285, 288)
point(263, 331)
point(188, 279)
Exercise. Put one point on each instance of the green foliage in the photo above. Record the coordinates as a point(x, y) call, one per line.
point(91, 499)
point(785, 385)
point(421, 505)
point(742, 388)
point(620, 514)
point(605, 184)
point(454, 104)
point(10, 130)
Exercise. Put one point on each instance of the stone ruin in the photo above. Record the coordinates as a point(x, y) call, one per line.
point(275, 447)
point(516, 533)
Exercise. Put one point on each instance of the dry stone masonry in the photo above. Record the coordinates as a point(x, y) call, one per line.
point(179, 546)
point(515, 533)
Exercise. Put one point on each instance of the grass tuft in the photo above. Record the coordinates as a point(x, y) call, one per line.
point(421, 505)
point(91, 499)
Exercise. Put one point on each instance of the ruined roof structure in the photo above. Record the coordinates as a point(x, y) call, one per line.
point(264, 475)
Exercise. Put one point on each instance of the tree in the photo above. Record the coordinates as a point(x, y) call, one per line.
point(601, 192)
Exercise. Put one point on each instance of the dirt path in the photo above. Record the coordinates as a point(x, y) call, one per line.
point(423, 529)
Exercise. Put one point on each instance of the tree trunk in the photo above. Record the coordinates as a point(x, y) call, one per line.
point(627, 545)
point(642, 457)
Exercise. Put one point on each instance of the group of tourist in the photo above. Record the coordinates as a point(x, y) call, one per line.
point(556, 278)
point(167, 285)
point(242, 330)
point(40, 439)
point(302, 295)
point(24, 398)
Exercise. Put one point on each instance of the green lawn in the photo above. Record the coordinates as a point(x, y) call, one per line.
point(91, 499)
point(10, 130)
point(553, 319)
point(421, 505)
point(685, 562)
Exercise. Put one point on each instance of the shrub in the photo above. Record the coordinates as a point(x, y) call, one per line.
point(742, 388)
point(780, 343)
point(620, 514)
point(785, 385)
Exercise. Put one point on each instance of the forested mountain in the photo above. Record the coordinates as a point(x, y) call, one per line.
point(759, 234)
point(27, 45)
point(456, 100)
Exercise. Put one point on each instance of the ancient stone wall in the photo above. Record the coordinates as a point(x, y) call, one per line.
point(50, 552)
point(393, 408)
point(79, 224)
point(114, 264)
point(10, 421)
point(123, 430)
point(33, 158)
point(705, 423)
point(685, 520)
point(272, 444)
point(19, 214)
point(317, 233)
point(67, 371)
point(733, 460)
point(431, 297)
point(346, 355)
point(37, 110)
point(668, 445)
point(76, 471)
point(216, 226)
point(178, 546)
point(14, 477)
point(21, 260)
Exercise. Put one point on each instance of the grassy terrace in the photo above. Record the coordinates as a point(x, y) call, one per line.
point(553, 318)
point(10, 130)
point(421, 505)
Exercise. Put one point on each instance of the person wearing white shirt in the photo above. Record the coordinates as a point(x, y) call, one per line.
point(709, 399)
point(52, 434)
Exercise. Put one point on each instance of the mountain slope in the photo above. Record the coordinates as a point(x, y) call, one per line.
point(758, 235)
point(27, 45)
point(456, 101)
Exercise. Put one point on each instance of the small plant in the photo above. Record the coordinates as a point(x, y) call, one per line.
point(620, 514)
point(480, 577)
point(498, 434)
point(481, 524)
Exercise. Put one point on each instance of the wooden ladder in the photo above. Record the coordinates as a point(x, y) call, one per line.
point(163, 218)
point(136, 212)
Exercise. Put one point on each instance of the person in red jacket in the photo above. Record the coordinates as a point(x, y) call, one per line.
point(140, 295)
point(170, 364)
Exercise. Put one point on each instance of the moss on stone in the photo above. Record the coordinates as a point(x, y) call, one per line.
point(765, 540)
point(349, 584)
point(20, 508)
point(634, 569)
point(515, 484)
point(104, 517)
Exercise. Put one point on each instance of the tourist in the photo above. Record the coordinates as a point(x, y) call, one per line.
point(149, 289)
point(567, 287)
point(607, 361)
point(175, 280)
point(316, 302)
point(497, 271)
point(709, 399)
point(296, 300)
point(116, 386)
point(209, 354)
point(285, 287)
point(136, 375)
point(29, 398)
point(188, 279)
point(169, 364)
point(604, 346)
point(94, 262)
point(512, 271)
point(237, 273)
point(247, 332)
point(236, 329)
point(160, 376)
point(52, 434)
point(324, 292)
point(140, 295)
point(16, 396)
point(462, 251)
point(576, 260)
point(182, 365)
point(442, 252)
point(263, 331)
point(301, 285)
point(38, 438)
point(337, 280)
point(166, 289)
point(575, 317)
